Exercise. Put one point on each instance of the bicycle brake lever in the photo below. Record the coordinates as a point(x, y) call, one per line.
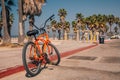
point(51, 18)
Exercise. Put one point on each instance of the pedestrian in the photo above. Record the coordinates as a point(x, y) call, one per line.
point(0, 33)
point(59, 34)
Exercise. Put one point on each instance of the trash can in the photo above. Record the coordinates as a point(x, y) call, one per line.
point(101, 39)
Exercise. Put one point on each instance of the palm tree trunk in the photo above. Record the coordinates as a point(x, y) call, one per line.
point(78, 36)
point(119, 30)
point(21, 27)
point(6, 37)
point(65, 35)
point(59, 34)
point(110, 28)
point(0, 33)
point(54, 34)
point(31, 22)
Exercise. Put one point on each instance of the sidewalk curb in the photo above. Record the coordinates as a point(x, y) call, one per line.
point(19, 68)
point(67, 53)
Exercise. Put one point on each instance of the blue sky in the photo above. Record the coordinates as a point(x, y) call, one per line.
point(86, 7)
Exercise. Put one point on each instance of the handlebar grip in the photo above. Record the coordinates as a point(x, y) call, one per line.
point(51, 16)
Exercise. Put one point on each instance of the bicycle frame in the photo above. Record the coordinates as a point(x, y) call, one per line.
point(44, 39)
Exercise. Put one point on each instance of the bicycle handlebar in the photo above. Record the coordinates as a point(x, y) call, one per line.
point(42, 29)
point(50, 18)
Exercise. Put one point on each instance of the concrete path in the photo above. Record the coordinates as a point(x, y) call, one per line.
point(11, 58)
point(98, 63)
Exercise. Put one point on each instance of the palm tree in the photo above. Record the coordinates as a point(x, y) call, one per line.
point(54, 24)
point(59, 27)
point(6, 37)
point(91, 23)
point(6, 7)
point(111, 21)
point(87, 22)
point(117, 24)
point(11, 20)
point(21, 31)
point(62, 14)
point(74, 28)
point(67, 30)
point(1, 28)
point(79, 18)
point(101, 23)
point(31, 8)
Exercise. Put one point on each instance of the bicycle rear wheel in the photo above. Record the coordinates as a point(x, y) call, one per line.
point(53, 54)
point(32, 66)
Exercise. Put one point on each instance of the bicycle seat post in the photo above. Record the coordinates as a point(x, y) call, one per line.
point(35, 37)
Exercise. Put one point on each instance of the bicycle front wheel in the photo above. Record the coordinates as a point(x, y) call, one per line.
point(32, 66)
point(53, 54)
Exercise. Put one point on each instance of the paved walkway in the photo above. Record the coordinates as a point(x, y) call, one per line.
point(12, 57)
point(98, 63)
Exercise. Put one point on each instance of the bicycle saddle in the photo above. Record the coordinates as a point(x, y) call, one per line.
point(33, 32)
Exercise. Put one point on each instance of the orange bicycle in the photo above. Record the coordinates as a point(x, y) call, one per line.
point(36, 54)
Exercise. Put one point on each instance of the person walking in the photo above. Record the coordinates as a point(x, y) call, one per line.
point(0, 33)
point(59, 34)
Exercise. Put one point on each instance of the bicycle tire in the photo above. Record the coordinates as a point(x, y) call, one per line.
point(28, 67)
point(54, 55)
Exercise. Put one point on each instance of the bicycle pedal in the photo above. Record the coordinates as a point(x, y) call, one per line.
point(31, 58)
point(51, 53)
point(35, 62)
point(47, 61)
